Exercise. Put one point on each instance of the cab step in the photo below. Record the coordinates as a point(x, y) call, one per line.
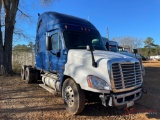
point(49, 89)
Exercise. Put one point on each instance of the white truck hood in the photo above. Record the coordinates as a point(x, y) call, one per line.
point(98, 54)
point(79, 66)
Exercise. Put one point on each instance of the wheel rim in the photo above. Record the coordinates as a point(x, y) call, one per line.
point(69, 96)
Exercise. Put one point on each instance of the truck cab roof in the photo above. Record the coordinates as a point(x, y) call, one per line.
point(54, 20)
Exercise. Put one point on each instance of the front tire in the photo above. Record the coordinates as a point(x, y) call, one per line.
point(74, 97)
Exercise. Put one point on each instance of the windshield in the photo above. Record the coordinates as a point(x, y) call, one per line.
point(79, 40)
point(113, 48)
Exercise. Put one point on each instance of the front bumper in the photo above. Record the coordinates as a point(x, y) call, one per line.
point(121, 100)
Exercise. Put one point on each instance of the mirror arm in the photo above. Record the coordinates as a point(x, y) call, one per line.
point(91, 48)
point(94, 64)
point(135, 55)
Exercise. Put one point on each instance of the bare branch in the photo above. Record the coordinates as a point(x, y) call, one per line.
point(24, 13)
point(46, 2)
point(20, 33)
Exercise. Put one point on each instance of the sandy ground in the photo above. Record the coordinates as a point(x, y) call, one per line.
point(21, 101)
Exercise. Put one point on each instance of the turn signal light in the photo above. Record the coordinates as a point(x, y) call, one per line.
point(89, 82)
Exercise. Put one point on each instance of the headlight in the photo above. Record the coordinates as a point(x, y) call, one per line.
point(97, 83)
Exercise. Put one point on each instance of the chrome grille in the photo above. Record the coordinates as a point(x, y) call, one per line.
point(126, 75)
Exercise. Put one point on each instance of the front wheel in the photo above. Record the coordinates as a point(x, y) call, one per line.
point(73, 95)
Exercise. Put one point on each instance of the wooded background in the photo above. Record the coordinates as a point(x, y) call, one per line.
point(22, 55)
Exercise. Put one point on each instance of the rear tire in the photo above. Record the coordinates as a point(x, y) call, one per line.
point(23, 70)
point(29, 75)
point(36, 75)
point(74, 97)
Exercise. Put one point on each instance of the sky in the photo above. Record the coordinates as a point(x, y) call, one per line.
point(135, 18)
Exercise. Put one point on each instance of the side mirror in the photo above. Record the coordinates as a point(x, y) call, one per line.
point(90, 48)
point(135, 51)
point(48, 43)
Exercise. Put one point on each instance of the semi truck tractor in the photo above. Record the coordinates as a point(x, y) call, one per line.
point(70, 58)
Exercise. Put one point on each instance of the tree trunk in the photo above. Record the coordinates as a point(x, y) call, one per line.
point(1, 43)
point(10, 8)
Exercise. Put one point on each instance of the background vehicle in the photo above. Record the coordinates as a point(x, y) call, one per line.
point(72, 59)
point(114, 47)
point(156, 57)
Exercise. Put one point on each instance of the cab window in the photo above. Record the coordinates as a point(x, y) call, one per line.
point(55, 43)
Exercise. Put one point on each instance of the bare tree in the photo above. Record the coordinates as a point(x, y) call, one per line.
point(129, 42)
point(10, 8)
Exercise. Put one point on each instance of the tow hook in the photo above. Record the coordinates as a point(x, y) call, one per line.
point(103, 99)
point(144, 90)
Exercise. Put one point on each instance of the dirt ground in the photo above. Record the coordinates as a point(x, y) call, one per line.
point(21, 101)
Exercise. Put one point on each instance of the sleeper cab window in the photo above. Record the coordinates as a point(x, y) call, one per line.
point(55, 40)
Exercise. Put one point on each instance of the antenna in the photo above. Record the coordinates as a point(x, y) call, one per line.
point(88, 18)
point(107, 35)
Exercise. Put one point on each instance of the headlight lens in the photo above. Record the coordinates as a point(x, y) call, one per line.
point(97, 83)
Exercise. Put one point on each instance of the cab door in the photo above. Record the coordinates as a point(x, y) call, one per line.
point(55, 53)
